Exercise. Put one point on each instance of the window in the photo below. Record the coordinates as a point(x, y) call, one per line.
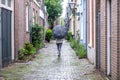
point(33, 16)
point(36, 17)
point(27, 29)
point(3, 1)
point(9, 3)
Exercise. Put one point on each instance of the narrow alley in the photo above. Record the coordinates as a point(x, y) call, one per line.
point(90, 51)
point(48, 66)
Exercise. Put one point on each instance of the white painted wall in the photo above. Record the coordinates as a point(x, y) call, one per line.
point(81, 20)
point(91, 54)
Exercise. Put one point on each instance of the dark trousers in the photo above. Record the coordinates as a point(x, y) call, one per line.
point(59, 45)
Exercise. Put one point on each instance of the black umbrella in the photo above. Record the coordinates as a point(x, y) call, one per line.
point(59, 32)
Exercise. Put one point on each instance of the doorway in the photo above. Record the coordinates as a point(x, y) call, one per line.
point(6, 36)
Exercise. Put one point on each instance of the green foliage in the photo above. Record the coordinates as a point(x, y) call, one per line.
point(73, 43)
point(48, 33)
point(62, 21)
point(54, 9)
point(21, 53)
point(29, 49)
point(80, 51)
point(41, 45)
point(79, 48)
point(26, 52)
point(37, 35)
point(69, 36)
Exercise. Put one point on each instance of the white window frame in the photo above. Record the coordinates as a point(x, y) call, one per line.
point(90, 44)
point(27, 21)
point(33, 14)
point(6, 5)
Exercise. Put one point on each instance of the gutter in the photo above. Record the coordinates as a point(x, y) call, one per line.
point(86, 27)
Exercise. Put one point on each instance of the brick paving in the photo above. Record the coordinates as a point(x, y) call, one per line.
point(67, 67)
point(48, 66)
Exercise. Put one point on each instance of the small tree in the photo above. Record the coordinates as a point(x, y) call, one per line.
point(54, 9)
point(37, 35)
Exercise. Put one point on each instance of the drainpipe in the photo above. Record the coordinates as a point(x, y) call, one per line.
point(13, 52)
point(30, 19)
point(44, 22)
point(86, 26)
point(0, 42)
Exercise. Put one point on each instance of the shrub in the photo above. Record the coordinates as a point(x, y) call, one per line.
point(21, 53)
point(73, 43)
point(48, 35)
point(37, 35)
point(30, 49)
point(80, 51)
point(79, 48)
point(69, 36)
point(41, 45)
point(26, 52)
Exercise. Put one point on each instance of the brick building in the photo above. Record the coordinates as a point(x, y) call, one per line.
point(110, 43)
point(16, 19)
point(21, 22)
point(103, 36)
point(26, 12)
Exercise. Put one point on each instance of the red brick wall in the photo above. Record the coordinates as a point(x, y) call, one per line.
point(103, 36)
point(41, 21)
point(16, 24)
point(88, 31)
point(115, 42)
point(21, 36)
point(119, 38)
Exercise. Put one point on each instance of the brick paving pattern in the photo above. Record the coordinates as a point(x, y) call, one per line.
point(67, 67)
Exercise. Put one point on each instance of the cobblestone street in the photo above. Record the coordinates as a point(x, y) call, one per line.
point(48, 66)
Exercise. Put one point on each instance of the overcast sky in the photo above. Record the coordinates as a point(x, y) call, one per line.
point(64, 4)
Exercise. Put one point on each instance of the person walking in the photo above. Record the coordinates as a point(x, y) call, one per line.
point(59, 46)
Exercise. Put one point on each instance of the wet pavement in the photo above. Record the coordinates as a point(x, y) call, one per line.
point(48, 66)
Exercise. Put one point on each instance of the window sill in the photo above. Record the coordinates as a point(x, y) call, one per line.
point(27, 31)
